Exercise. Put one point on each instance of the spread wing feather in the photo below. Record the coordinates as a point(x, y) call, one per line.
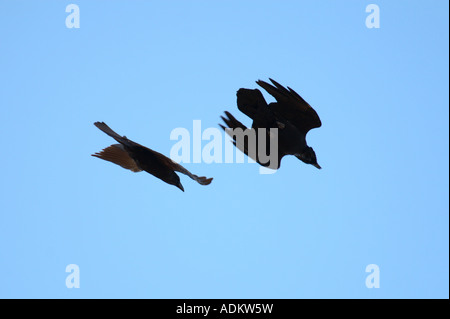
point(291, 106)
point(117, 155)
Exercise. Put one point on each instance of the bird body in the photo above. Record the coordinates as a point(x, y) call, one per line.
point(135, 157)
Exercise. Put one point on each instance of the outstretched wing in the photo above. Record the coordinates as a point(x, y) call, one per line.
point(121, 139)
point(178, 168)
point(291, 106)
point(250, 102)
point(117, 155)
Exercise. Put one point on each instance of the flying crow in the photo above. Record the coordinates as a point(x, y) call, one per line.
point(290, 114)
point(135, 157)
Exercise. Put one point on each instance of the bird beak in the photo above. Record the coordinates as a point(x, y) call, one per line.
point(180, 186)
point(317, 166)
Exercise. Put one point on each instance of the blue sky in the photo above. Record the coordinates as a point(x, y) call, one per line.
point(148, 67)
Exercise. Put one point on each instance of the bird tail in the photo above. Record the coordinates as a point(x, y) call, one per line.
point(243, 143)
point(233, 124)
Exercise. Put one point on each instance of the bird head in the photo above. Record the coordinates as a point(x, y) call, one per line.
point(308, 156)
point(174, 180)
point(180, 186)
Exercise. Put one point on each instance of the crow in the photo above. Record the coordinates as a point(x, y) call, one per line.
point(290, 114)
point(137, 158)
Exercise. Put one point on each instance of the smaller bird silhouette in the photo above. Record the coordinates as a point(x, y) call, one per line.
point(290, 114)
point(137, 158)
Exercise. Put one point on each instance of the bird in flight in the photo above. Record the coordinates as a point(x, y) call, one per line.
point(290, 114)
point(137, 158)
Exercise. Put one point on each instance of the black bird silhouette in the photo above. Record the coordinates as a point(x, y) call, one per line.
point(291, 114)
point(137, 158)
